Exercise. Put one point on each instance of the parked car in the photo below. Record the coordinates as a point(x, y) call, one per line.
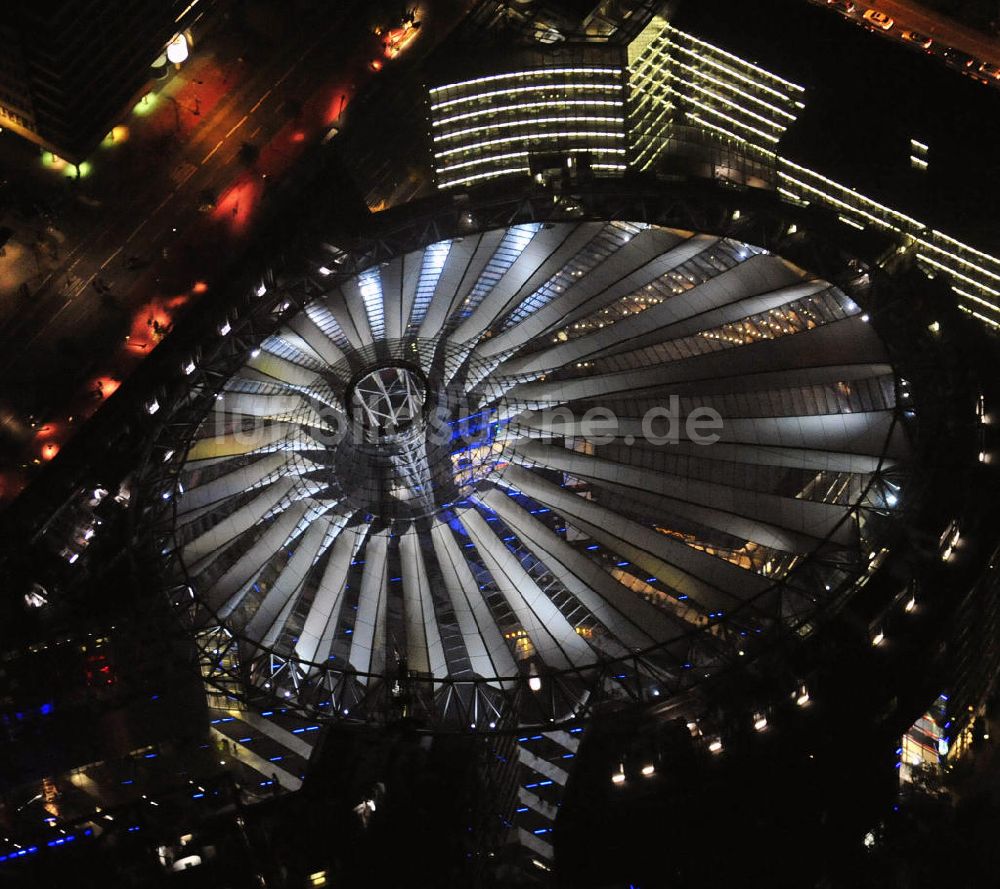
point(990, 70)
point(917, 39)
point(959, 60)
point(878, 19)
point(844, 6)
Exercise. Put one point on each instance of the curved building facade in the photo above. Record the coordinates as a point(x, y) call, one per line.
point(535, 112)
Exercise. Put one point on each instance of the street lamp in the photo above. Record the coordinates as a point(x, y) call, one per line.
point(177, 50)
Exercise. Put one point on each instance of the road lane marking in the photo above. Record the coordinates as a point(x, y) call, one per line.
point(137, 229)
point(217, 147)
point(260, 101)
point(187, 175)
point(112, 256)
point(242, 121)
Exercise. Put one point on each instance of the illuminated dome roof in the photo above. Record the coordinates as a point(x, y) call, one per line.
point(401, 494)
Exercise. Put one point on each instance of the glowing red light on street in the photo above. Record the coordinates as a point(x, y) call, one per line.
point(105, 387)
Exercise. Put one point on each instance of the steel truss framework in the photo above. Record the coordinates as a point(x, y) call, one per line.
point(528, 696)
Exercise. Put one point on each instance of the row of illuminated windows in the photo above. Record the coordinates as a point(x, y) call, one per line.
point(453, 95)
point(485, 165)
point(695, 101)
point(537, 140)
point(739, 68)
point(499, 160)
point(539, 106)
point(716, 74)
point(667, 81)
point(717, 90)
point(532, 124)
point(549, 73)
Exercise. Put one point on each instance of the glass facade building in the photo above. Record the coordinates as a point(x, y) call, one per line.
point(738, 112)
point(543, 111)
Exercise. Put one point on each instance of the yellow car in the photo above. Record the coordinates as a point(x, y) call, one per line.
point(878, 19)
